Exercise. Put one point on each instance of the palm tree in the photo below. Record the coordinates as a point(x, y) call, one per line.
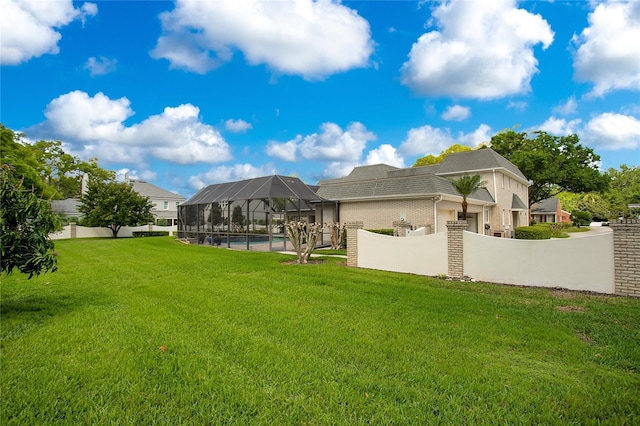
point(466, 185)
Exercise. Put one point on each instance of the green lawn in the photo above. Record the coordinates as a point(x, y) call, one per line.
point(152, 331)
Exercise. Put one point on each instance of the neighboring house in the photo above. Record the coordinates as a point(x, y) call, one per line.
point(380, 195)
point(165, 203)
point(549, 210)
point(67, 208)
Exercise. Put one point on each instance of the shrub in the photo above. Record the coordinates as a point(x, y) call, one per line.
point(533, 233)
point(162, 222)
point(581, 218)
point(150, 233)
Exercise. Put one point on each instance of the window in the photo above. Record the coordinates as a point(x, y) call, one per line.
point(166, 205)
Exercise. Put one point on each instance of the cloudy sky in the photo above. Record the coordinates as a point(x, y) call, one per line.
point(190, 93)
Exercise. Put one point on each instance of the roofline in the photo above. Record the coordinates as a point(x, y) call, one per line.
point(447, 197)
point(491, 169)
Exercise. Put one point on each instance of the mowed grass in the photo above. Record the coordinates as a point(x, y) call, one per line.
point(151, 331)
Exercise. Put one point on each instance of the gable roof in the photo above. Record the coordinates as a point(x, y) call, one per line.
point(152, 191)
point(465, 162)
point(252, 189)
point(548, 205)
point(422, 185)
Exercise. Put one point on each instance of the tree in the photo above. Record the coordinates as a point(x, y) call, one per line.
point(114, 205)
point(625, 189)
point(26, 222)
point(237, 218)
point(466, 185)
point(303, 236)
point(553, 163)
point(47, 168)
point(25, 166)
point(437, 159)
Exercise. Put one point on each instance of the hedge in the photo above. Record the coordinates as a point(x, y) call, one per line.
point(150, 233)
point(533, 233)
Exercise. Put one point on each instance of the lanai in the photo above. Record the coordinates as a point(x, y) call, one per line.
point(248, 213)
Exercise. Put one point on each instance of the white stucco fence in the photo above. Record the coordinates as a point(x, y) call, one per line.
point(422, 255)
point(584, 263)
point(125, 231)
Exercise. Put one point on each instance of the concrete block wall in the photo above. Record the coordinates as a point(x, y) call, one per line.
point(626, 253)
point(382, 214)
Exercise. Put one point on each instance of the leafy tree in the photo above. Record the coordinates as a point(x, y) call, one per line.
point(237, 218)
point(466, 185)
point(595, 205)
point(437, 159)
point(553, 163)
point(625, 189)
point(25, 222)
point(114, 205)
point(15, 152)
point(581, 218)
point(45, 166)
point(216, 215)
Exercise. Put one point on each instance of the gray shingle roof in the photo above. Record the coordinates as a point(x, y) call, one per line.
point(467, 162)
point(152, 191)
point(517, 203)
point(549, 205)
point(376, 171)
point(422, 185)
point(253, 189)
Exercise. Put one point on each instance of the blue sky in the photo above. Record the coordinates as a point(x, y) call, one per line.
point(189, 93)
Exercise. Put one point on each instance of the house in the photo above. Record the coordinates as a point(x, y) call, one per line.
point(379, 195)
point(549, 211)
point(165, 203)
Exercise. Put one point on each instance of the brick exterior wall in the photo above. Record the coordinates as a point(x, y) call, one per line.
point(626, 252)
point(382, 214)
point(455, 253)
point(352, 242)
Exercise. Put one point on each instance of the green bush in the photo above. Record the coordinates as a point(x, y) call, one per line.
point(151, 233)
point(581, 218)
point(533, 233)
point(162, 222)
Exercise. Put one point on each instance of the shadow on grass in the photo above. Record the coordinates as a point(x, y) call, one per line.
point(21, 314)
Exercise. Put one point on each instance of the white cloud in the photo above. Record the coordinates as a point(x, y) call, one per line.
point(230, 174)
point(427, 140)
point(286, 151)
point(567, 108)
point(611, 131)
point(237, 126)
point(94, 127)
point(313, 39)
point(456, 113)
point(29, 27)
point(559, 126)
point(334, 144)
point(331, 144)
point(481, 135)
point(385, 154)
point(608, 53)
point(146, 175)
point(484, 49)
point(100, 66)
point(517, 105)
point(336, 169)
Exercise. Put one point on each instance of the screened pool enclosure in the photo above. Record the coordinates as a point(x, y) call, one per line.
point(249, 214)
